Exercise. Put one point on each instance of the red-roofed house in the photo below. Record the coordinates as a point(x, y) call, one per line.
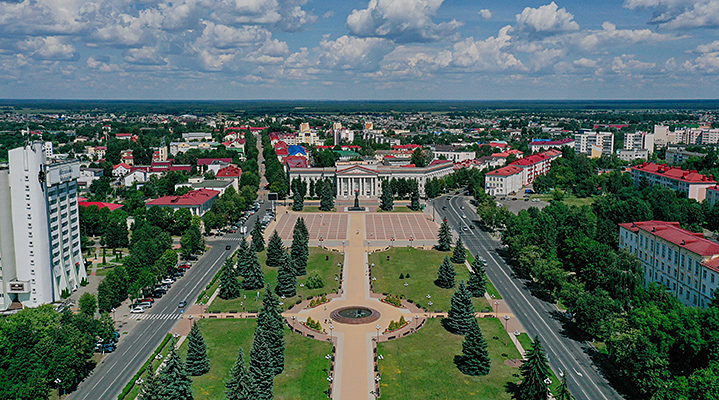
point(684, 262)
point(503, 181)
point(198, 201)
point(208, 161)
point(121, 169)
point(295, 162)
point(537, 164)
point(123, 136)
point(230, 173)
point(99, 204)
point(692, 183)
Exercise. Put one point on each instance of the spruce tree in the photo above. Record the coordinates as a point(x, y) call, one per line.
point(229, 285)
point(475, 357)
point(563, 392)
point(300, 250)
point(175, 383)
point(445, 275)
point(444, 237)
point(258, 241)
point(242, 253)
point(298, 202)
point(271, 324)
point(275, 248)
point(460, 253)
point(535, 370)
point(414, 202)
point(312, 189)
point(327, 201)
point(461, 311)
point(286, 277)
point(254, 278)
point(151, 389)
point(303, 227)
point(239, 387)
point(197, 362)
point(477, 284)
point(261, 370)
point(387, 197)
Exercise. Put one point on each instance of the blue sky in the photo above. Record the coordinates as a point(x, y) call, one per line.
point(359, 49)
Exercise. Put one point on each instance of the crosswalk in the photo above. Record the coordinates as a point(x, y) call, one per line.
point(225, 239)
point(157, 316)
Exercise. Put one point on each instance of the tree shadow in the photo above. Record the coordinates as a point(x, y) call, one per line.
point(513, 389)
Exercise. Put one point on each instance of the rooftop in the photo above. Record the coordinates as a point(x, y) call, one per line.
point(671, 232)
point(546, 142)
point(506, 171)
point(192, 198)
point(208, 161)
point(99, 204)
point(674, 173)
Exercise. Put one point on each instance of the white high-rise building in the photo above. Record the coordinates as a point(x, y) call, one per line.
point(40, 253)
point(594, 144)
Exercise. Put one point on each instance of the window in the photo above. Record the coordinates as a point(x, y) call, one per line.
point(712, 277)
point(705, 274)
point(704, 288)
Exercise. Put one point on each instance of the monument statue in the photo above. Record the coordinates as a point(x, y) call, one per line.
point(356, 199)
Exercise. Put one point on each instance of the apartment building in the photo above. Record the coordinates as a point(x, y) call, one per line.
point(692, 183)
point(594, 144)
point(40, 250)
point(633, 154)
point(546, 144)
point(712, 196)
point(677, 155)
point(684, 262)
point(449, 152)
point(522, 172)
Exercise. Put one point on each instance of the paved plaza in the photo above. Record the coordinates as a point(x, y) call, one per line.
point(384, 226)
point(331, 226)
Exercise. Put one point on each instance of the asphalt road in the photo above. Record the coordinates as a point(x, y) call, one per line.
point(564, 354)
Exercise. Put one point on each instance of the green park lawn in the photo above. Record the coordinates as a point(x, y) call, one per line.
point(570, 200)
point(421, 365)
point(315, 209)
point(422, 266)
point(399, 209)
point(305, 364)
point(316, 263)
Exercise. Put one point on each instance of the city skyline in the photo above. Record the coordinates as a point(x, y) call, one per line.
point(364, 50)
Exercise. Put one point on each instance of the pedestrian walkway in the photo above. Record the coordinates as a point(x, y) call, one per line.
point(155, 316)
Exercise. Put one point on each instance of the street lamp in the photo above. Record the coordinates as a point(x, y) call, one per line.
point(411, 239)
point(293, 321)
point(391, 240)
point(321, 239)
point(329, 360)
point(343, 247)
point(496, 307)
point(377, 327)
point(506, 323)
point(331, 328)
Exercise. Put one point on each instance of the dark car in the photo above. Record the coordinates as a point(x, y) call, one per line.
point(192, 257)
point(444, 207)
point(228, 247)
point(158, 294)
point(182, 304)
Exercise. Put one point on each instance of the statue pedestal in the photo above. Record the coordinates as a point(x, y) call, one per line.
point(357, 209)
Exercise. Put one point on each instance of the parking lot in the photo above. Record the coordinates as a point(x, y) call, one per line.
point(521, 203)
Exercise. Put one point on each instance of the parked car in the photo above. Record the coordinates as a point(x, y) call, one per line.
point(182, 304)
point(137, 310)
point(148, 299)
point(167, 281)
point(228, 247)
point(184, 266)
point(178, 274)
point(145, 304)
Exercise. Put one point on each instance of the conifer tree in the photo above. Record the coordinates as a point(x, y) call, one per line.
point(303, 228)
point(414, 200)
point(327, 201)
point(445, 275)
point(151, 389)
point(300, 247)
point(197, 362)
point(258, 241)
point(298, 202)
point(229, 285)
point(275, 248)
point(254, 278)
point(475, 357)
point(477, 284)
point(387, 197)
point(444, 237)
point(239, 387)
point(175, 383)
point(261, 370)
point(563, 392)
point(270, 324)
point(535, 370)
point(461, 312)
point(286, 277)
point(460, 253)
point(242, 253)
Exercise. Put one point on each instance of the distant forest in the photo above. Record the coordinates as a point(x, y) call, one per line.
point(300, 107)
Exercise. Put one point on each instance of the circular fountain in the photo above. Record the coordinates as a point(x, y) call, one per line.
point(355, 315)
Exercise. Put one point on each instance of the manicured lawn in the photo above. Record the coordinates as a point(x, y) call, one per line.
point(100, 271)
point(421, 365)
point(315, 209)
point(399, 209)
point(422, 265)
point(569, 200)
point(490, 286)
point(164, 351)
point(305, 364)
point(316, 262)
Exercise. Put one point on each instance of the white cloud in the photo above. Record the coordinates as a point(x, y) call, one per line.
point(680, 14)
point(485, 13)
point(144, 56)
point(546, 20)
point(328, 14)
point(50, 48)
point(709, 47)
point(627, 64)
point(609, 35)
point(350, 53)
point(401, 20)
point(585, 63)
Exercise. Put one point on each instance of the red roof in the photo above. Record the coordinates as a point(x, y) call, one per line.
point(192, 198)
point(122, 135)
point(552, 142)
point(712, 264)
point(229, 171)
point(187, 168)
point(671, 232)
point(281, 145)
point(409, 166)
point(674, 173)
point(295, 162)
point(325, 147)
point(715, 187)
point(99, 204)
point(406, 146)
point(122, 165)
point(437, 162)
point(498, 145)
point(281, 152)
point(507, 153)
point(506, 171)
point(208, 161)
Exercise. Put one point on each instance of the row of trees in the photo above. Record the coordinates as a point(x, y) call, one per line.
point(274, 170)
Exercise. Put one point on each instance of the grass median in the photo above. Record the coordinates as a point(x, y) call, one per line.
point(320, 261)
point(304, 376)
point(421, 365)
point(422, 266)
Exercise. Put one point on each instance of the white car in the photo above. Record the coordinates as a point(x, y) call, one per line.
point(137, 310)
point(167, 281)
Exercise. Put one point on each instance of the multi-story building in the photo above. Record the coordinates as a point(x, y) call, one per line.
point(511, 178)
point(197, 201)
point(546, 144)
point(633, 154)
point(684, 262)
point(677, 155)
point(310, 138)
point(692, 183)
point(196, 136)
point(712, 196)
point(594, 144)
point(40, 250)
point(639, 140)
point(449, 152)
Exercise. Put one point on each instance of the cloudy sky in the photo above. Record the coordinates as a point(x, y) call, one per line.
point(359, 49)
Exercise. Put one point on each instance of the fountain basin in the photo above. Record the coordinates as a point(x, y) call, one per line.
point(355, 315)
